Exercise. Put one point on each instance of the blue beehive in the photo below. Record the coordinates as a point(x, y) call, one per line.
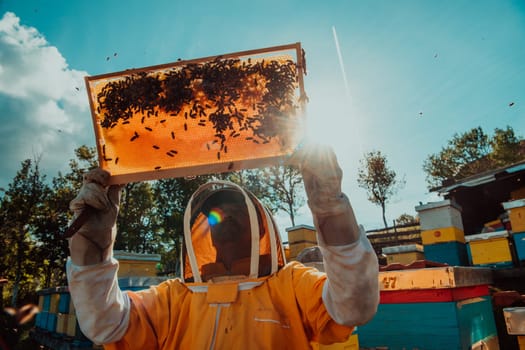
point(519, 245)
point(63, 303)
point(453, 253)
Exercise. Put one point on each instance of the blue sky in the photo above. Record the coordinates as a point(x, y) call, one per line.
point(417, 72)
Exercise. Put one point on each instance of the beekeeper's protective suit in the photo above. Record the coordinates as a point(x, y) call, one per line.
point(236, 291)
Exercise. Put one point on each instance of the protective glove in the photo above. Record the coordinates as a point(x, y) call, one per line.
point(322, 179)
point(330, 207)
point(93, 242)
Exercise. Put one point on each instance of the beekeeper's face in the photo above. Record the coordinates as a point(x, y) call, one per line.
point(230, 230)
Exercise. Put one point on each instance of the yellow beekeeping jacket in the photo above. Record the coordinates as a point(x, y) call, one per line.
point(284, 311)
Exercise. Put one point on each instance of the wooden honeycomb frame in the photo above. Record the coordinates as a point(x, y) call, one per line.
point(209, 115)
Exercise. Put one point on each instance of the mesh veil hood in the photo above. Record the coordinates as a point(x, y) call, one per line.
point(199, 255)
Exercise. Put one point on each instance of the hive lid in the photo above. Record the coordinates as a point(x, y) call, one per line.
point(513, 204)
point(403, 249)
point(123, 255)
point(487, 235)
point(436, 205)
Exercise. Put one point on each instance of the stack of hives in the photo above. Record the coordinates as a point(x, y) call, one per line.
point(300, 237)
point(442, 233)
point(433, 309)
point(136, 264)
point(516, 211)
point(57, 319)
point(404, 254)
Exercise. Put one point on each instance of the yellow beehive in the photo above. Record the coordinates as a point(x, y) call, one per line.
point(62, 320)
point(299, 238)
point(516, 210)
point(41, 302)
point(296, 248)
point(71, 325)
point(404, 254)
point(404, 258)
point(489, 248)
point(135, 264)
point(441, 235)
point(53, 303)
point(302, 233)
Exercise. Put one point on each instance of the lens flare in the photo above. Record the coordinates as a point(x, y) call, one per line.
point(214, 217)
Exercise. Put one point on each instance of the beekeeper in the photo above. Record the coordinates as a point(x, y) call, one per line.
point(236, 290)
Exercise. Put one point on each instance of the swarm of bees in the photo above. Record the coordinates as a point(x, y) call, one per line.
point(233, 96)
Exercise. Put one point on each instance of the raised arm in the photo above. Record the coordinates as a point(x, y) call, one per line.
point(102, 309)
point(351, 293)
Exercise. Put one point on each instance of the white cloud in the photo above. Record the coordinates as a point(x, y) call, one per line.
point(43, 104)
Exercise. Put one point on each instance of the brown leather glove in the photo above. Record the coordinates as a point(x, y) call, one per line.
point(93, 242)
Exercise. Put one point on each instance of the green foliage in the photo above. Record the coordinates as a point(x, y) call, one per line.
point(21, 208)
point(379, 181)
point(407, 219)
point(286, 189)
point(471, 153)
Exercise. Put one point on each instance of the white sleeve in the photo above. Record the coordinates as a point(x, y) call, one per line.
point(102, 309)
point(351, 292)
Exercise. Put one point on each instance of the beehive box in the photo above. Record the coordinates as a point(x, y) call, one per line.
point(440, 214)
point(490, 249)
point(452, 253)
point(466, 324)
point(519, 245)
point(518, 194)
point(300, 237)
point(445, 277)
point(64, 303)
point(433, 309)
point(135, 283)
point(516, 210)
point(301, 233)
point(208, 115)
point(404, 254)
point(515, 320)
point(62, 320)
point(297, 248)
point(135, 264)
point(441, 235)
point(72, 328)
point(52, 326)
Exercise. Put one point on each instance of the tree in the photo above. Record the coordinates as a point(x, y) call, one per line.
point(136, 222)
point(278, 187)
point(287, 187)
point(21, 208)
point(406, 219)
point(507, 148)
point(380, 182)
point(49, 226)
point(170, 199)
point(471, 153)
